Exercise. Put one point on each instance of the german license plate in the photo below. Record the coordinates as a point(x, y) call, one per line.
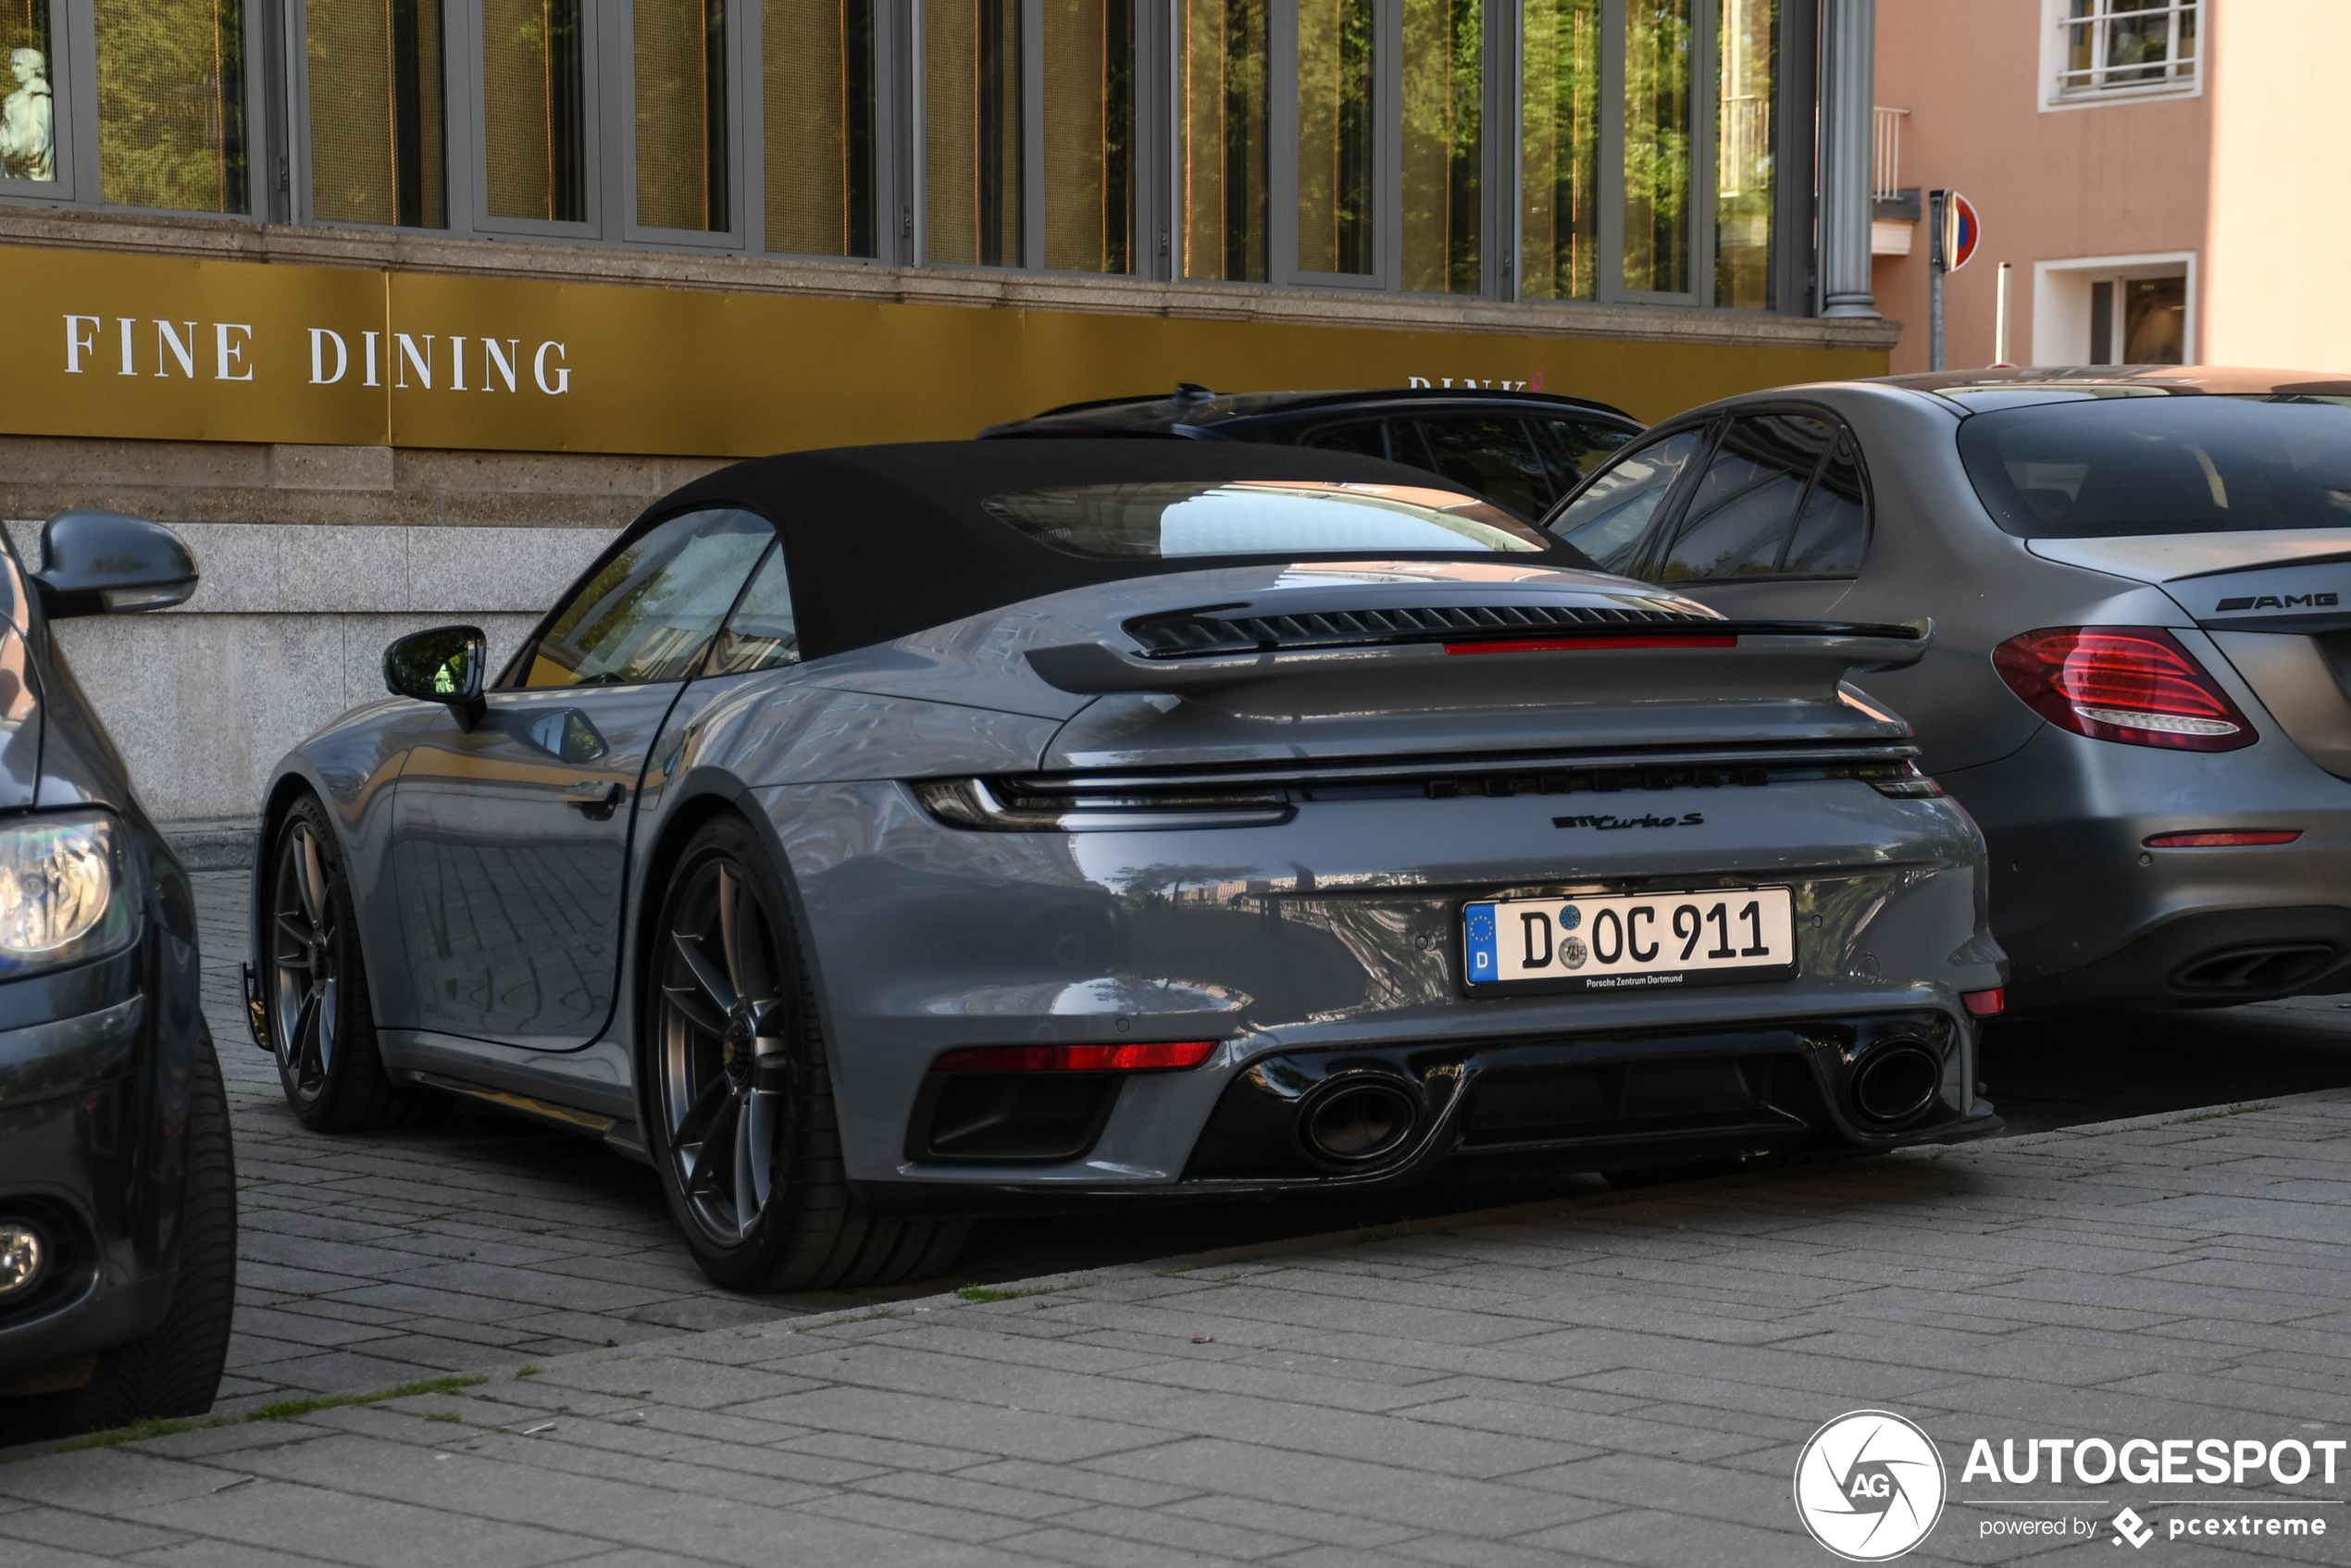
point(1650, 940)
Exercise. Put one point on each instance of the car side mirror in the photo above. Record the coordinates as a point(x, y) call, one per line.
point(442, 666)
point(104, 562)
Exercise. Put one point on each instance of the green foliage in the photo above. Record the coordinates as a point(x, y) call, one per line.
point(171, 129)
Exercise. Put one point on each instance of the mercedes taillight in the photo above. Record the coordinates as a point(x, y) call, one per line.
point(2134, 684)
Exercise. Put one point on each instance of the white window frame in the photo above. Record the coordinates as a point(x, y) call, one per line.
point(2057, 27)
point(2061, 295)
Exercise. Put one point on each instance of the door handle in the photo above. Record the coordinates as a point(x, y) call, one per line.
point(592, 795)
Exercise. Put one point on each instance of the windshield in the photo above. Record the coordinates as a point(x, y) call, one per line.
point(2118, 468)
point(1283, 517)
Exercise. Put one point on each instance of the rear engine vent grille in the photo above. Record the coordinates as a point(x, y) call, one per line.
point(1193, 631)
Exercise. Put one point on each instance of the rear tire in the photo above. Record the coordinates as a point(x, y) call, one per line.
point(320, 1021)
point(738, 1097)
point(175, 1371)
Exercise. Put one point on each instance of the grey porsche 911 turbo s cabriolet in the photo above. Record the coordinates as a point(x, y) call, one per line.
point(873, 835)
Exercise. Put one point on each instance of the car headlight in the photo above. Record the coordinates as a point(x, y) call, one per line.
point(60, 893)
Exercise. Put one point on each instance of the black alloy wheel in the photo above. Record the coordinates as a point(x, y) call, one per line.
point(738, 1094)
point(321, 1024)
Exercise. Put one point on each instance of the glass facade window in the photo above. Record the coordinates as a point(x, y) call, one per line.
point(376, 124)
point(1335, 132)
point(29, 113)
point(1560, 138)
point(1637, 157)
point(1226, 142)
point(681, 113)
point(817, 73)
point(1444, 144)
point(171, 105)
point(971, 131)
point(1747, 129)
point(534, 111)
point(1657, 106)
point(1089, 116)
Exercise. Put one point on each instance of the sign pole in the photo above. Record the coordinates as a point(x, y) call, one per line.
point(2000, 323)
point(1935, 251)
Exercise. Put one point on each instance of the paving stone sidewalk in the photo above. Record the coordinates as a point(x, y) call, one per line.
point(1624, 1378)
point(369, 1261)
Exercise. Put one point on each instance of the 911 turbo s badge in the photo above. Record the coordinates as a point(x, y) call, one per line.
point(2277, 602)
point(1605, 822)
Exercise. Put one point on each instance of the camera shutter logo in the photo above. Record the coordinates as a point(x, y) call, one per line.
point(1870, 1486)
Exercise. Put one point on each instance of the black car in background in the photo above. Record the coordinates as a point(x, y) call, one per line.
point(117, 1191)
point(1524, 450)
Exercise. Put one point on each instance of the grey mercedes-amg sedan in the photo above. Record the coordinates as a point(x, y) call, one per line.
point(873, 836)
point(2139, 580)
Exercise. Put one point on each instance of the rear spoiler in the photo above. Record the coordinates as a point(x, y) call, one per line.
point(1835, 648)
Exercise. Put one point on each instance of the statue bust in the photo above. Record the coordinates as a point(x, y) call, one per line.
point(28, 141)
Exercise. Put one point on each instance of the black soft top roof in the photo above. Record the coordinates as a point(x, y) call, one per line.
point(886, 541)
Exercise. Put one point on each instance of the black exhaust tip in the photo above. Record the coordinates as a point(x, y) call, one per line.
point(1896, 1081)
point(1358, 1122)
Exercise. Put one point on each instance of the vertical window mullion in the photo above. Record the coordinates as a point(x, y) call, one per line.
point(1032, 89)
point(1609, 282)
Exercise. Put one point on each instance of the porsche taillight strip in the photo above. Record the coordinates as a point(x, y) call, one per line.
point(1076, 804)
point(1471, 770)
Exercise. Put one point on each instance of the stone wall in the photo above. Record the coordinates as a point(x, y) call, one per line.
point(313, 559)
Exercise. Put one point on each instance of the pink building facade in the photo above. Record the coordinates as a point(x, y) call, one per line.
point(2159, 175)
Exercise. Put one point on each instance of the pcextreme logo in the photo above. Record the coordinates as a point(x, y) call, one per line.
point(1870, 1486)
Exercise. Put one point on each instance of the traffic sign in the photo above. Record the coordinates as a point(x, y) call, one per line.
point(1960, 232)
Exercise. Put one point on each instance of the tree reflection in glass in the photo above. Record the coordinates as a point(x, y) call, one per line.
point(1560, 138)
point(1444, 144)
point(1658, 37)
point(1744, 173)
point(1335, 130)
point(171, 105)
point(1226, 99)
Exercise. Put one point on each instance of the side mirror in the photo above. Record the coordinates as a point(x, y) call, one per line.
point(443, 665)
point(103, 563)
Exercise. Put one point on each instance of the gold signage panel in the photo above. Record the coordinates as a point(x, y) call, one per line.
point(159, 348)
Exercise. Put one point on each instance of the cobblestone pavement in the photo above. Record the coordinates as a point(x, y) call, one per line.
point(374, 1260)
point(1620, 1378)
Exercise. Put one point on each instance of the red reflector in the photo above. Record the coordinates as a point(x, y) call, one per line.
point(1982, 1005)
point(1569, 644)
point(2134, 684)
point(2220, 841)
point(1142, 1056)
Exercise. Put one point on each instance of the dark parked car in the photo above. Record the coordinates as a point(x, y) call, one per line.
point(874, 835)
point(2141, 600)
point(1524, 450)
point(117, 1198)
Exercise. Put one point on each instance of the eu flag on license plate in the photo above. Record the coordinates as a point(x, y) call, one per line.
point(1478, 923)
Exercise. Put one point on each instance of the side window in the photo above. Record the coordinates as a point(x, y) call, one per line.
point(1363, 438)
point(646, 614)
point(761, 634)
point(1492, 456)
point(1834, 525)
point(1574, 448)
point(1607, 520)
point(1739, 520)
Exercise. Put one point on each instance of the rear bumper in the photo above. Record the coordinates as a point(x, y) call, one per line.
point(2089, 915)
point(1544, 1105)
